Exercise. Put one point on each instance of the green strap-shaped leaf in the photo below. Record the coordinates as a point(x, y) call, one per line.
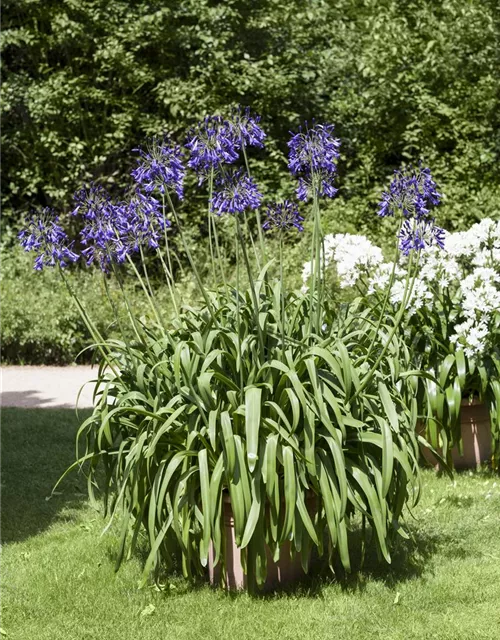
point(387, 455)
point(329, 505)
point(341, 538)
point(347, 368)
point(330, 359)
point(253, 397)
point(445, 368)
point(228, 442)
point(375, 507)
point(204, 386)
point(306, 518)
point(269, 466)
point(340, 466)
point(244, 478)
point(290, 492)
point(461, 367)
point(389, 406)
point(205, 503)
point(295, 406)
point(254, 513)
point(453, 400)
point(215, 486)
point(212, 428)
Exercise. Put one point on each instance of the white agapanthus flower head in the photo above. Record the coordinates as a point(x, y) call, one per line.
point(481, 291)
point(471, 337)
point(353, 256)
point(421, 296)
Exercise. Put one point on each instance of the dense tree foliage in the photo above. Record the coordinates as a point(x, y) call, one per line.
point(86, 80)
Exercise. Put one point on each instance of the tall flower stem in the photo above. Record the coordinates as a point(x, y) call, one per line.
point(283, 293)
point(150, 289)
point(169, 274)
point(316, 286)
point(410, 281)
point(257, 215)
point(318, 241)
point(190, 258)
point(385, 299)
point(211, 225)
point(133, 319)
point(211, 217)
point(94, 332)
point(252, 286)
point(146, 291)
point(114, 309)
point(238, 316)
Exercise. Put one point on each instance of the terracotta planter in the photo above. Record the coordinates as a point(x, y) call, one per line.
point(285, 571)
point(476, 436)
point(475, 426)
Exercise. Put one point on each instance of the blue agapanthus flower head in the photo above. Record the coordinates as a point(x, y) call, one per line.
point(312, 157)
point(283, 215)
point(214, 142)
point(247, 128)
point(160, 166)
point(235, 191)
point(100, 234)
point(416, 235)
point(140, 224)
point(44, 236)
point(412, 193)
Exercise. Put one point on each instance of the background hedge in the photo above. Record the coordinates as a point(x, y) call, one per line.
point(84, 81)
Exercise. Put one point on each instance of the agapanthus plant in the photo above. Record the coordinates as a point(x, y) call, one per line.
point(247, 128)
point(212, 143)
point(140, 223)
point(258, 398)
point(283, 216)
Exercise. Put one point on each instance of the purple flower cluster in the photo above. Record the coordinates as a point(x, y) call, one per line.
point(283, 215)
point(139, 223)
point(313, 159)
point(47, 239)
point(247, 127)
point(212, 143)
point(99, 234)
point(235, 191)
point(217, 141)
point(416, 235)
point(160, 167)
point(114, 231)
point(413, 193)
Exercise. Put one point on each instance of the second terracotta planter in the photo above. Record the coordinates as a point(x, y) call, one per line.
point(475, 428)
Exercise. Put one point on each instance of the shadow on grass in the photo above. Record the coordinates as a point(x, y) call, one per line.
point(37, 446)
point(30, 399)
point(410, 558)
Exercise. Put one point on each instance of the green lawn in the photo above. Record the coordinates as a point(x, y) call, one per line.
point(58, 579)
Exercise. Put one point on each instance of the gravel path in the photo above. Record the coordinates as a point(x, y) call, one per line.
point(48, 387)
